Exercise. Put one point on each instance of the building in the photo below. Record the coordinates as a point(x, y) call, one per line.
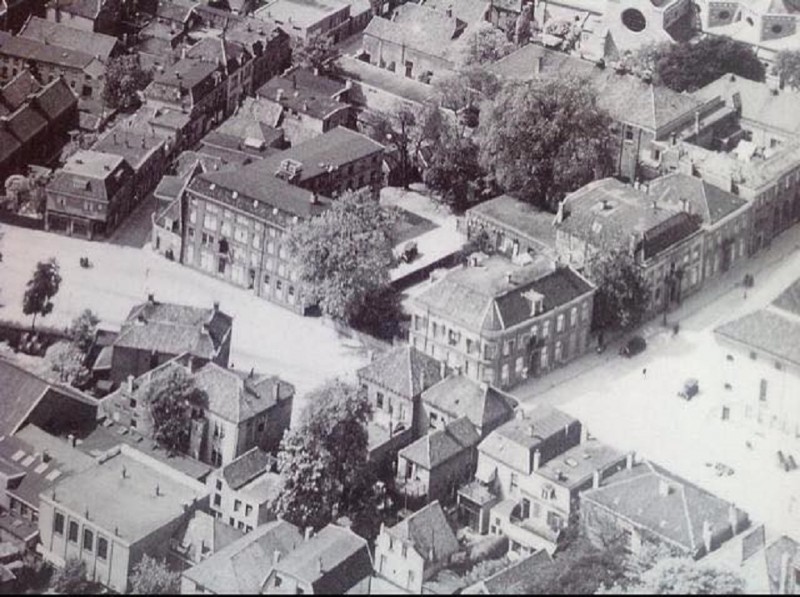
point(458, 396)
point(393, 384)
point(242, 490)
point(768, 562)
point(512, 227)
point(101, 46)
point(415, 549)
point(306, 105)
point(647, 507)
point(305, 19)
point(243, 138)
point(27, 398)
point(198, 538)
point(31, 461)
point(726, 218)
point(34, 121)
point(501, 322)
point(101, 16)
point(608, 215)
point(126, 506)
point(90, 195)
point(417, 42)
point(240, 568)
point(237, 221)
point(437, 464)
point(155, 332)
point(235, 412)
point(511, 580)
point(761, 369)
point(335, 561)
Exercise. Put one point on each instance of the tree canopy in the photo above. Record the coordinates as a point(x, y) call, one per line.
point(343, 256)
point(171, 400)
point(317, 53)
point(682, 576)
point(787, 67)
point(71, 579)
point(323, 463)
point(622, 292)
point(82, 329)
point(544, 140)
point(124, 77)
point(41, 288)
point(483, 44)
point(152, 577)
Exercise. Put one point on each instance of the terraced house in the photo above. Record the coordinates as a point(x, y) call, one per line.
point(502, 322)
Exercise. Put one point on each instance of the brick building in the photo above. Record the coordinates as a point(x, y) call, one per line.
point(501, 322)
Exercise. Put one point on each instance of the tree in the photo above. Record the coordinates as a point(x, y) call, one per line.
point(454, 167)
point(787, 67)
point(172, 398)
point(41, 289)
point(69, 364)
point(692, 65)
point(124, 78)
point(622, 292)
point(682, 576)
point(316, 53)
point(343, 256)
point(483, 44)
point(82, 330)
point(323, 463)
point(523, 25)
point(543, 140)
point(71, 579)
point(152, 577)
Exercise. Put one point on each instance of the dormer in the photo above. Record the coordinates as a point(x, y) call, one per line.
point(536, 301)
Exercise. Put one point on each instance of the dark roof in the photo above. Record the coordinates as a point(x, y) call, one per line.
point(437, 447)
point(89, 9)
point(711, 202)
point(187, 81)
point(246, 467)
point(332, 561)
point(91, 174)
point(99, 45)
point(789, 299)
point(521, 217)
point(55, 99)
point(515, 578)
point(30, 49)
point(303, 91)
point(175, 11)
point(26, 123)
point(459, 396)
point(429, 533)
point(652, 498)
point(662, 236)
point(16, 91)
point(405, 371)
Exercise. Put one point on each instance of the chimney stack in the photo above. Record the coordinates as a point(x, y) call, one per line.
point(595, 479)
point(537, 459)
point(151, 298)
point(629, 460)
point(539, 64)
point(733, 519)
point(442, 369)
point(276, 557)
point(422, 381)
point(276, 389)
point(71, 440)
point(708, 535)
point(124, 473)
point(129, 384)
point(279, 95)
point(320, 565)
point(216, 306)
point(697, 122)
point(508, 277)
point(309, 531)
point(664, 488)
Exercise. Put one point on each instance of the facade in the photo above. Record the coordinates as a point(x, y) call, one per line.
point(305, 19)
point(111, 515)
point(90, 195)
point(239, 411)
point(242, 490)
point(241, 567)
point(761, 369)
point(415, 549)
point(437, 464)
point(666, 244)
point(34, 121)
point(417, 42)
point(501, 322)
point(306, 105)
point(647, 507)
point(237, 220)
point(155, 332)
point(334, 561)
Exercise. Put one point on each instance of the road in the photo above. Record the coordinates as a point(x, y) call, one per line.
point(633, 403)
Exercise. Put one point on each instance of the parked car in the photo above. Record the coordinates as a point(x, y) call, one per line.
point(690, 389)
point(633, 346)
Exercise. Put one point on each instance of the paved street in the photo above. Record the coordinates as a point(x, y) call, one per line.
point(137, 228)
point(637, 410)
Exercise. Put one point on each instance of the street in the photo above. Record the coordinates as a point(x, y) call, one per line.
point(633, 403)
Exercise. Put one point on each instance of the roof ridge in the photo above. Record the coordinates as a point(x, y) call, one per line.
point(688, 514)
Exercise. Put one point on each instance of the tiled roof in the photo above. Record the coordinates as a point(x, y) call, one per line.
point(459, 396)
point(241, 567)
point(99, 45)
point(9, 145)
point(662, 236)
point(305, 92)
point(513, 579)
point(519, 216)
point(437, 447)
point(29, 49)
point(332, 561)
point(91, 175)
point(428, 532)
point(174, 11)
point(577, 465)
point(203, 532)
point(664, 504)
point(789, 299)
point(26, 123)
point(55, 99)
point(711, 202)
point(134, 146)
point(16, 91)
point(405, 371)
point(246, 467)
point(771, 330)
point(89, 9)
point(417, 27)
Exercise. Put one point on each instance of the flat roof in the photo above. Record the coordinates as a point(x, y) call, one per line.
point(301, 13)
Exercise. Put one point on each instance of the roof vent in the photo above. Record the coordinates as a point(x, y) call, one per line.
point(235, 194)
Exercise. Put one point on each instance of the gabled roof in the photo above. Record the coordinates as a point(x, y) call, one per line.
point(55, 99)
point(654, 499)
point(524, 218)
point(428, 532)
point(437, 447)
point(459, 396)
point(711, 202)
point(99, 45)
point(305, 92)
point(245, 468)
point(89, 9)
point(513, 579)
point(201, 534)
point(30, 49)
point(241, 567)
point(14, 93)
point(91, 174)
point(405, 371)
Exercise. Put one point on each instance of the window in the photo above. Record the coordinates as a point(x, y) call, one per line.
point(237, 505)
point(410, 577)
point(404, 550)
point(73, 531)
point(102, 548)
point(58, 524)
point(379, 399)
point(231, 521)
point(560, 323)
point(489, 351)
point(133, 403)
point(278, 581)
point(628, 133)
point(519, 366)
point(240, 526)
point(762, 391)
point(778, 365)
point(248, 509)
point(573, 316)
point(88, 540)
point(514, 482)
point(217, 500)
point(545, 329)
point(219, 484)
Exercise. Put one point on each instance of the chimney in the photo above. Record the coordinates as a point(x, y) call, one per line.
point(114, 136)
point(539, 64)
point(276, 557)
point(308, 533)
point(151, 298)
point(276, 390)
point(449, 12)
point(158, 489)
point(71, 440)
point(674, 138)
point(685, 205)
point(783, 582)
point(708, 535)
point(124, 473)
point(531, 430)
point(320, 565)
point(664, 488)
point(629, 460)
point(584, 434)
point(442, 369)
point(519, 414)
point(655, 205)
point(129, 384)
point(216, 306)
point(595, 479)
point(45, 456)
point(279, 95)
point(422, 380)
point(697, 122)
point(183, 53)
point(537, 459)
point(508, 277)
point(733, 519)
point(305, 106)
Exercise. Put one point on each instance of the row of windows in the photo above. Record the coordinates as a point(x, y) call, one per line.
point(73, 533)
point(237, 503)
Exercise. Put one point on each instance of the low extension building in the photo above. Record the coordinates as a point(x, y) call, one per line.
point(306, 19)
point(502, 322)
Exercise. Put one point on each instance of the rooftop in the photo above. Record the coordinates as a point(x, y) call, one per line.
point(405, 371)
point(513, 579)
point(247, 467)
point(373, 76)
point(576, 466)
point(300, 13)
point(707, 200)
point(428, 532)
point(437, 447)
point(99, 45)
point(31, 49)
point(128, 494)
point(523, 218)
point(457, 395)
point(303, 91)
